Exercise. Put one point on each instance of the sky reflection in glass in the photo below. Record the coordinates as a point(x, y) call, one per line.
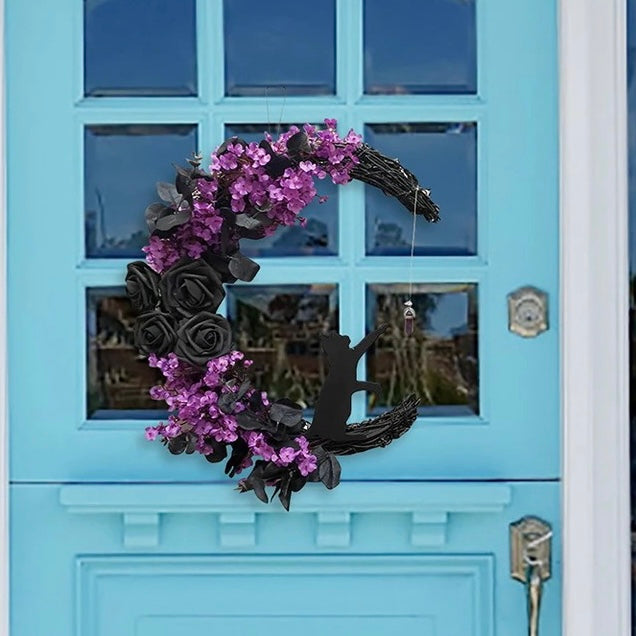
point(444, 158)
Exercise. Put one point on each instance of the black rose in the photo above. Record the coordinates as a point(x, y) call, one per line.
point(203, 337)
point(154, 333)
point(191, 286)
point(142, 286)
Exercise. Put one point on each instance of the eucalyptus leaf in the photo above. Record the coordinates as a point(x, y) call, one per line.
point(242, 267)
point(248, 421)
point(329, 471)
point(178, 444)
point(288, 414)
point(173, 220)
point(298, 146)
point(167, 192)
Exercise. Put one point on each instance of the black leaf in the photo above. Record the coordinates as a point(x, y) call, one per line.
point(286, 412)
point(249, 421)
point(168, 193)
point(247, 221)
point(298, 146)
point(242, 267)
point(178, 444)
point(297, 482)
point(192, 445)
point(162, 220)
point(329, 471)
point(240, 451)
point(277, 164)
point(258, 486)
point(231, 140)
point(220, 264)
point(272, 471)
point(185, 185)
point(226, 402)
point(285, 491)
point(173, 220)
point(219, 450)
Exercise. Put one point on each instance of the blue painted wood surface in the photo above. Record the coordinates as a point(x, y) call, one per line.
point(102, 544)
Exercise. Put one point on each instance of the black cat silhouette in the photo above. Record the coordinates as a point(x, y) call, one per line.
point(333, 407)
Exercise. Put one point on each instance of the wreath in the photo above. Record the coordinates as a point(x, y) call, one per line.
point(249, 191)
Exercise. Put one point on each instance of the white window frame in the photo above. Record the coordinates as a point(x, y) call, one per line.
point(594, 315)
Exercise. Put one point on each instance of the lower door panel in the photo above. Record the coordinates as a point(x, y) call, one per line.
point(379, 559)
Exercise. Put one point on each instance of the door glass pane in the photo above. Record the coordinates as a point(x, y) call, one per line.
point(444, 158)
point(320, 236)
point(278, 327)
point(439, 362)
point(281, 48)
point(419, 47)
point(139, 48)
point(118, 378)
point(122, 163)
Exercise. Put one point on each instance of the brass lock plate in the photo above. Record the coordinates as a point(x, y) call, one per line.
point(530, 547)
point(528, 312)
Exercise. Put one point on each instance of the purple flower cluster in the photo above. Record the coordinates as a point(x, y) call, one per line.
point(244, 174)
point(193, 398)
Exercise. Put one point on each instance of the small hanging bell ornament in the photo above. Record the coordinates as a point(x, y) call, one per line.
point(409, 318)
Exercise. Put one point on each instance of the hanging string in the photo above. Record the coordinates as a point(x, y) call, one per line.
point(409, 312)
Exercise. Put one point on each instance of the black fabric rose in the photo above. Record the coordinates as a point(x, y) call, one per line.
point(154, 333)
point(203, 337)
point(142, 286)
point(191, 286)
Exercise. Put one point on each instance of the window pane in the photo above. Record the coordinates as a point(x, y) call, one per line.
point(319, 237)
point(139, 47)
point(444, 158)
point(284, 47)
point(420, 47)
point(439, 362)
point(118, 379)
point(121, 167)
point(278, 326)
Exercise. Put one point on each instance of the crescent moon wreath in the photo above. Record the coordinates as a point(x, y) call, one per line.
point(249, 191)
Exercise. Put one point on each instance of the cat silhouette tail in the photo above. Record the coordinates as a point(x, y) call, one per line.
point(376, 432)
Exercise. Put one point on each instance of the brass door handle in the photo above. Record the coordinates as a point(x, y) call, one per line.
point(530, 548)
point(534, 600)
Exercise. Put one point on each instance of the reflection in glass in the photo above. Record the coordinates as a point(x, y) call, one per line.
point(320, 236)
point(118, 378)
point(122, 164)
point(285, 48)
point(439, 362)
point(444, 158)
point(278, 326)
point(419, 47)
point(139, 48)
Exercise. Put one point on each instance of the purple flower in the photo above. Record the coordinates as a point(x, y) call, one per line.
point(286, 455)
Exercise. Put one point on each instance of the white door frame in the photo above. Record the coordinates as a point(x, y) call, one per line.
point(594, 317)
point(594, 313)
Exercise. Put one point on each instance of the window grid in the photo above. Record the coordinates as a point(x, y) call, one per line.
point(351, 269)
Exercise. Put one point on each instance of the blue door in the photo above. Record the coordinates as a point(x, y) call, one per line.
point(113, 536)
